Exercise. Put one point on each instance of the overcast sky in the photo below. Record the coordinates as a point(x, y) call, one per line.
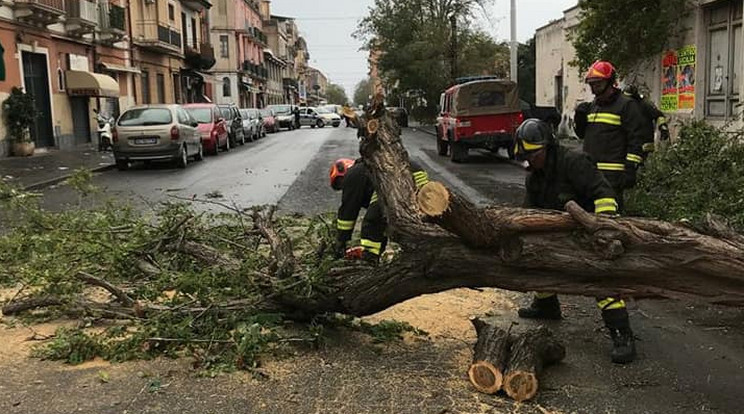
point(327, 26)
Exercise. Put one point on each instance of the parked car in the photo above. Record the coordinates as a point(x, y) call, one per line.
point(400, 115)
point(309, 117)
point(251, 123)
point(156, 132)
point(329, 117)
point(270, 124)
point(478, 113)
point(212, 126)
point(234, 121)
point(283, 115)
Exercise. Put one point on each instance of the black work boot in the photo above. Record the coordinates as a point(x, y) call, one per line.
point(623, 342)
point(370, 258)
point(542, 308)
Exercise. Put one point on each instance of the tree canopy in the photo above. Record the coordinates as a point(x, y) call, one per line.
point(362, 92)
point(336, 94)
point(426, 44)
point(624, 32)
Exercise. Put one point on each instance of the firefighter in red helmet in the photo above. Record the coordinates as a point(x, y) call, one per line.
point(612, 128)
point(358, 191)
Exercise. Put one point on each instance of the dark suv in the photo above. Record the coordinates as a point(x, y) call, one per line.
point(234, 122)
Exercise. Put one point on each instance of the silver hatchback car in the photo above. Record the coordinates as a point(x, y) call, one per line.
point(156, 132)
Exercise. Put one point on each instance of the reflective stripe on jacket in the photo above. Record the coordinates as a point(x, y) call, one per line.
point(615, 133)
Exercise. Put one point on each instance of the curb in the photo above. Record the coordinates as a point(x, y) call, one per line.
point(55, 180)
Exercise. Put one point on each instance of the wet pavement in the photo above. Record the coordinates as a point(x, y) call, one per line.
point(47, 167)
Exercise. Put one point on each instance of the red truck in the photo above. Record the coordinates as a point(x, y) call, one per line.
point(478, 113)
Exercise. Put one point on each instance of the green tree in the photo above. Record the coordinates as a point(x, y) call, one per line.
point(362, 92)
point(336, 94)
point(624, 32)
point(426, 44)
point(526, 70)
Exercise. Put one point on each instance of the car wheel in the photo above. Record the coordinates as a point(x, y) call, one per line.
point(442, 147)
point(227, 144)
point(122, 165)
point(312, 126)
point(336, 125)
point(510, 151)
point(320, 123)
point(183, 158)
point(199, 152)
point(458, 152)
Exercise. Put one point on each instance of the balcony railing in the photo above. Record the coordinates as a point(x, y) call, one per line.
point(202, 59)
point(158, 37)
point(43, 12)
point(82, 17)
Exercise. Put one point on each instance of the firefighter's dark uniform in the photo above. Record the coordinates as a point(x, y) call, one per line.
point(359, 192)
point(652, 118)
point(614, 138)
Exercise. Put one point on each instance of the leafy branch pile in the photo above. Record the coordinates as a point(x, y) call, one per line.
point(701, 173)
point(172, 282)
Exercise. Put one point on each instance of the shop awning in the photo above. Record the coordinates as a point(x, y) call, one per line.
point(80, 83)
point(118, 68)
point(206, 77)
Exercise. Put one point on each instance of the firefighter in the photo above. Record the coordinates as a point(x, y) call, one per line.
point(557, 176)
point(358, 191)
point(652, 116)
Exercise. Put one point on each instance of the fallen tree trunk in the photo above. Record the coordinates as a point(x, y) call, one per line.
point(490, 355)
point(530, 352)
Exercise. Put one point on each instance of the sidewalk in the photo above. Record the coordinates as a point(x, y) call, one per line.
point(47, 167)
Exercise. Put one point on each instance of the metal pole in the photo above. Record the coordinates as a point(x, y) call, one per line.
point(514, 45)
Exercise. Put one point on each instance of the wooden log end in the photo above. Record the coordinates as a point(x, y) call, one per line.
point(372, 126)
point(485, 377)
point(520, 385)
point(433, 199)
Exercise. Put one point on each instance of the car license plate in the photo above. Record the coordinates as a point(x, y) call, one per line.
point(145, 141)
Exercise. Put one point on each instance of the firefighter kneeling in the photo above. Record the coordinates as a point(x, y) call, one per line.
point(353, 179)
point(557, 176)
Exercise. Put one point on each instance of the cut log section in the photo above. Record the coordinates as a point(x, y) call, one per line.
point(530, 353)
point(490, 354)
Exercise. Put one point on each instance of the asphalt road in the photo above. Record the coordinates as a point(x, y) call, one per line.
point(691, 357)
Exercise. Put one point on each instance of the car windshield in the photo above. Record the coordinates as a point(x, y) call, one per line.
point(244, 113)
point(267, 112)
point(226, 113)
point(282, 109)
point(322, 110)
point(146, 117)
point(202, 115)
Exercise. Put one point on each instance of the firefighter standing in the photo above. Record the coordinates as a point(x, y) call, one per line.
point(612, 128)
point(358, 191)
point(652, 116)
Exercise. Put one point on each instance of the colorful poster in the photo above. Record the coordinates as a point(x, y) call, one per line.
point(686, 58)
point(669, 92)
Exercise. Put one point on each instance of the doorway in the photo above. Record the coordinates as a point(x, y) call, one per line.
point(36, 79)
point(80, 120)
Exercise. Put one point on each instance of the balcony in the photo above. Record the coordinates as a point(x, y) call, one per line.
point(111, 22)
point(82, 17)
point(39, 12)
point(197, 5)
point(157, 38)
point(202, 59)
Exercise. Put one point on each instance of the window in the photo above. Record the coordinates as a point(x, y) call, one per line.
point(226, 89)
point(61, 79)
point(183, 117)
point(224, 46)
point(171, 12)
point(145, 78)
point(146, 117)
point(161, 87)
point(177, 87)
point(193, 32)
point(723, 60)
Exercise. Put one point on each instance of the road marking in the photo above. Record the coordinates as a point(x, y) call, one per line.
point(470, 193)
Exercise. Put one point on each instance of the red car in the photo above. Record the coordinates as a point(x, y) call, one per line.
point(212, 126)
point(479, 112)
point(269, 121)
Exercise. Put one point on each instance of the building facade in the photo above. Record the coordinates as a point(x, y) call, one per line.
point(317, 84)
point(240, 72)
point(697, 77)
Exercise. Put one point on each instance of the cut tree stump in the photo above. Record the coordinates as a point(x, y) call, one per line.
point(530, 352)
point(489, 357)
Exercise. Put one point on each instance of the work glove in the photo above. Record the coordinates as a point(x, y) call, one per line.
point(581, 114)
point(631, 172)
point(664, 132)
point(339, 249)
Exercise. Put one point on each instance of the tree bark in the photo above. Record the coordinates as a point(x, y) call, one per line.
point(530, 353)
point(490, 355)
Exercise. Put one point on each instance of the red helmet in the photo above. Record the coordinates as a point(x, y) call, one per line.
point(600, 70)
point(338, 171)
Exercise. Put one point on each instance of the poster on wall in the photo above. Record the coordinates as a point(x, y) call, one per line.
point(686, 58)
point(669, 92)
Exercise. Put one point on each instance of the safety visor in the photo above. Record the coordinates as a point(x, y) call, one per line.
point(523, 149)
